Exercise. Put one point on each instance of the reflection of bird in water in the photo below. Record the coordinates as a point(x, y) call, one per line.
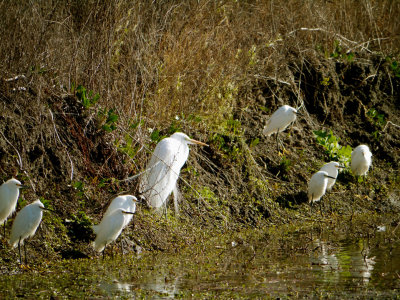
point(327, 263)
point(362, 265)
point(162, 283)
point(323, 257)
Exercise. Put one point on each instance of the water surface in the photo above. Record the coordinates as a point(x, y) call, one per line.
point(304, 266)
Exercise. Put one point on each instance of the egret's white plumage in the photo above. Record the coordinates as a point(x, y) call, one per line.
point(280, 119)
point(125, 202)
point(317, 186)
point(332, 168)
point(26, 222)
point(9, 193)
point(164, 167)
point(110, 228)
point(361, 160)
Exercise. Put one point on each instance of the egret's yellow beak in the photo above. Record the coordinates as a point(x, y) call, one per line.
point(197, 142)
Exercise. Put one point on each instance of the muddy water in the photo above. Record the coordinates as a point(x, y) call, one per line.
point(305, 266)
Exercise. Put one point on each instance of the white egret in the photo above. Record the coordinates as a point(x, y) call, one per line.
point(332, 168)
point(279, 120)
point(25, 224)
point(317, 186)
point(110, 228)
point(361, 160)
point(160, 179)
point(9, 193)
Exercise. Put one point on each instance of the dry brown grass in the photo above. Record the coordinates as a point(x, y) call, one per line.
point(154, 61)
point(158, 60)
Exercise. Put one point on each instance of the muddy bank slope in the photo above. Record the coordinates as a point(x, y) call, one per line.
point(75, 149)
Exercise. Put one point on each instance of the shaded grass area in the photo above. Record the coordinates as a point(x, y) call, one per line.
point(100, 84)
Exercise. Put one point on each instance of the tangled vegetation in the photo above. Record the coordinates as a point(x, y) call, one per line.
point(88, 88)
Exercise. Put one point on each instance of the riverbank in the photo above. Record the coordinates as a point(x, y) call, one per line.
point(87, 92)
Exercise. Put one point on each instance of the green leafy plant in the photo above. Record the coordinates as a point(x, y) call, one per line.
point(378, 120)
point(394, 66)
point(254, 142)
point(339, 53)
point(128, 146)
point(325, 81)
point(46, 203)
point(111, 119)
point(156, 136)
point(87, 98)
point(234, 126)
point(284, 166)
point(80, 227)
point(228, 145)
point(376, 117)
point(332, 148)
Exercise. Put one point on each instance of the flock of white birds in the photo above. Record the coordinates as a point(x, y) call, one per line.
point(159, 180)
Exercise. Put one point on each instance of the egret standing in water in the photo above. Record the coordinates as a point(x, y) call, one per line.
point(160, 179)
point(317, 186)
point(332, 168)
point(9, 193)
point(110, 228)
point(25, 225)
point(361, 160)
point(280, 119)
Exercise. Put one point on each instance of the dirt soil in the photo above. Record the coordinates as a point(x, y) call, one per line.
point(52, 143)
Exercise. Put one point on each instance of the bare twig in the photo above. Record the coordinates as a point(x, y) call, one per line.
point(323, 30)
point(391, 123)
point(15, 78)
point(30, 180)
point(19, 161)
point(141, 173)
point(65, 148)
point(342, 38)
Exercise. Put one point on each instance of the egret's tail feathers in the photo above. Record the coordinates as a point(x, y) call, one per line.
point(14, 242)
point(95, 229)
point(98, 246)
point(177, 197)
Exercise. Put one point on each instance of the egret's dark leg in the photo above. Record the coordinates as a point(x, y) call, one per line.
point(320, 206)
point(122, 247)
point(277, 140)
point(4, 227)
point(358, 185)
point(329, 205)
point(165, 209)
point(365, 182)
point(26, 262)
point(312, 200)
point(19, 250)
point(104, 250)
